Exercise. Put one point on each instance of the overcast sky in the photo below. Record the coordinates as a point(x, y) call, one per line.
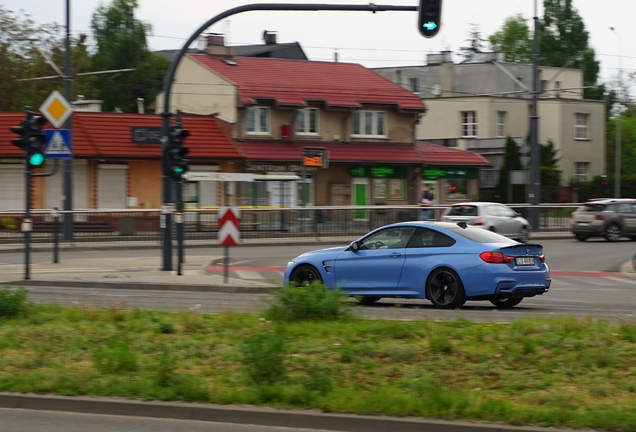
point(373, 40)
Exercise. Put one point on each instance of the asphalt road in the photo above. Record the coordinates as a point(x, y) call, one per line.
point(586, 283)
point(21, 420)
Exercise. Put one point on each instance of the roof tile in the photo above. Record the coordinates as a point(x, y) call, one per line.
point(296, 82)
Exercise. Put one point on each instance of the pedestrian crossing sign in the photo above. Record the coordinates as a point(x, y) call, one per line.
point(58, 144)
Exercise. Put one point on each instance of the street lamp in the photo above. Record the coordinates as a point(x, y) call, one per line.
point(617, 168)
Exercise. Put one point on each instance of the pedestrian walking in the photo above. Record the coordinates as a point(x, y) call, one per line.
point(426, 201)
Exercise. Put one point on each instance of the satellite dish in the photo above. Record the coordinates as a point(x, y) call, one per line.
point(436, 90)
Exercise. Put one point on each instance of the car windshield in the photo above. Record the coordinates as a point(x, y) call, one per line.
point(462, 210)
point(482, 236)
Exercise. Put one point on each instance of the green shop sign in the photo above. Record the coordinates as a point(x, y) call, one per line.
point(378, 172)
point(441, 172)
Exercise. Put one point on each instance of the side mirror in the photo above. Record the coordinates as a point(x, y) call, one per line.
point(354, 245)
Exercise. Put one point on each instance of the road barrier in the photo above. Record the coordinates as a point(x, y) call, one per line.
point(256, 223)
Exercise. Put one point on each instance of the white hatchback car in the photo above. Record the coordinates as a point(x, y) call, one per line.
point(492, 216)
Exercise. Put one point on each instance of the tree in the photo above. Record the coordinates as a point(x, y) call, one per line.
point(550, 176)
point(514, 40)
point(563, 38)
point(121, 44)
point(475, 43)
point(512, 162)
point(19, 58)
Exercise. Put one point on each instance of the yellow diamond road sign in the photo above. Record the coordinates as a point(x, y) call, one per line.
point(56, 109)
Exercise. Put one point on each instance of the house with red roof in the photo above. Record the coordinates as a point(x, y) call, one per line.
point(281, 110)
point(116, 162)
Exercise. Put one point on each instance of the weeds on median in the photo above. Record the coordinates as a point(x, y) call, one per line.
point(13, 304)
point(307, 303)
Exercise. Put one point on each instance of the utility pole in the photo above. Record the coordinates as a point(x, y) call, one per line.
point(535, 189)
point(68, 162)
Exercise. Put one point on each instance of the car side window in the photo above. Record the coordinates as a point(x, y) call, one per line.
point(492, 210)
point(624, 208)
point(505, 211)
point(425, 237)
point(390, 238)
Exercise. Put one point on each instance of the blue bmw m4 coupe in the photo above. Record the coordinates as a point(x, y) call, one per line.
point(443, 262)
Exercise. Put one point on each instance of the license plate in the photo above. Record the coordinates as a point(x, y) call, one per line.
point(525, 261)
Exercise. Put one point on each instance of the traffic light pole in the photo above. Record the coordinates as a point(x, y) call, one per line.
point(166, 114)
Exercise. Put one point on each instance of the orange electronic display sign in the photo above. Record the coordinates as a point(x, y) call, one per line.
point(312, 161)
point(316, 157)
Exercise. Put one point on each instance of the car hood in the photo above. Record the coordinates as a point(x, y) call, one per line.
point(332, 251)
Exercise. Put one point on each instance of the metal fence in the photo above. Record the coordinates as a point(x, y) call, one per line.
point(256, 223)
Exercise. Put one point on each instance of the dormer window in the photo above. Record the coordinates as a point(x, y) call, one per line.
point(257, 120)
point(369, 124)
point(307, 121)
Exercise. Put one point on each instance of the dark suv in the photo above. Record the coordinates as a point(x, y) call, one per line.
point(609, 218)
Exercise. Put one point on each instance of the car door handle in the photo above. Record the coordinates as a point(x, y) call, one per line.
point(395, 254)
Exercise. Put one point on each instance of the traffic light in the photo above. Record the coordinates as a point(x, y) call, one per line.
point(605, 185)
point(32, 139)
point(20, 130)
point(429, 17)
point(176, 164)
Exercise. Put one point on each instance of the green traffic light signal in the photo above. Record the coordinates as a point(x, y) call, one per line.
point(429, 16)
point(36, 159)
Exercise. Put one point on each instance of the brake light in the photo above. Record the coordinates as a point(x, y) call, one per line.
point(495, 258)
point(442, 218)
point(479, 221)
point(598, 217)
point(542, 259)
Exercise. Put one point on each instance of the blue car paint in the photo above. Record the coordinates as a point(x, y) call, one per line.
point(408, 269)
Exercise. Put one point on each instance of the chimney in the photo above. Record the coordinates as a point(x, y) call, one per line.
point(140, 105)
point(269, 37)
point(216, 46)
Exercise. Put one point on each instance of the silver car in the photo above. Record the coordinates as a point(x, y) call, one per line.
point(610, 218)
point(492, 216)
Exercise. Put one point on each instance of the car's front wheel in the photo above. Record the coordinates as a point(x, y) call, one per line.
point(445, 289)
point(505, 303)
point(613, 233)
point(305, 275)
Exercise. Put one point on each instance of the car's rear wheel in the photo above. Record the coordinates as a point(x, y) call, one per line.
point(445, 289)
point(505, 303)
point(305, 275)
point(524, 235)
point(613, 233)
point(581, 237)
point(367, 300)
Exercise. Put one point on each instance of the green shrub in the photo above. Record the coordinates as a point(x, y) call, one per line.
point(116, 357)
point(13, 304)
point(319, 379)
point(8, 223)
point(307, 303)
point(264, 357)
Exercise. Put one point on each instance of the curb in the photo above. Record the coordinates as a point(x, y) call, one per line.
point(250, 415)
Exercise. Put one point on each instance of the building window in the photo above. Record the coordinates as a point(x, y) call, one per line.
point(258, 120)
point(369, 124)
point(307, 121)
point(580, 171)
point(500, 130)
point(415, 85)
point(469, 124)
point(580, 126)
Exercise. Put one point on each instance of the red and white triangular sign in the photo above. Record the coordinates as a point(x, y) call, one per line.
point(229, 226)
